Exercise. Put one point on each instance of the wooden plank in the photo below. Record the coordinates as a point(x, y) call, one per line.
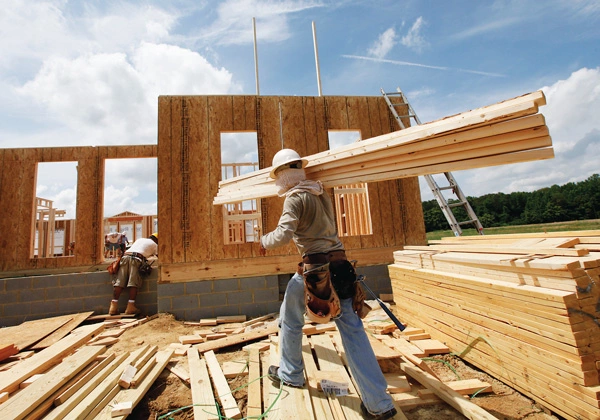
point(40, 362)
point(387, 173)
point(470, 119)
point(19, 406)
point(247, 267)
point(202, 393)
point(236, 339)
point(30, 332)
point(234, 368)
point(504, 250)
point(175, 193)
point(220, 118)
point(90, 375)
point(287, 402)
point(329, 359)
point(463, 387)
point(254, 407)
point(466, 408)
point(397, 383)
point(90, 395)
point(201, 179)
point(166, 160)
point(135, 395)
point(222, 391)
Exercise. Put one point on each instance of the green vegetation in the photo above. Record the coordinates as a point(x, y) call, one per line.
point(572, 201)
point(505, 230)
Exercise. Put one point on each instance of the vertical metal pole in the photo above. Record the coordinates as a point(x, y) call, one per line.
point(255, 56)
point(281, 125)
point(314, 29)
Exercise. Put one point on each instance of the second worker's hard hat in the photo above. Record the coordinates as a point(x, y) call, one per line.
point(286, 157)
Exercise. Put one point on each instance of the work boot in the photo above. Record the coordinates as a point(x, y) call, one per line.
point(114, 308)
point(274, 376)
point(383, 416)
point(132, 309)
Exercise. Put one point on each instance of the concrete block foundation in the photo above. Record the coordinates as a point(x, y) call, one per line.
point(29, 298)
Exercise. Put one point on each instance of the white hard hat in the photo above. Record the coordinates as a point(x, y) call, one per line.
point(285, 156)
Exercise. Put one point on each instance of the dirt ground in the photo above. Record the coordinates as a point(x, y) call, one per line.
point(170, 398)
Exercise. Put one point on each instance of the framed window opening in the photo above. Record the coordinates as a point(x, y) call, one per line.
point(353, 213)
point(130, 202)
point(53, 224)
point(242, 220)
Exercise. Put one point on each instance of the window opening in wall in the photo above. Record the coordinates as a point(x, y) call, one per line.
point(130, 203)
point(242, 220)
point(53, 232)
point(353, 213)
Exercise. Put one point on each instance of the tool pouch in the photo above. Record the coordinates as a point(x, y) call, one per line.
point(321, 300)
point(344, 281)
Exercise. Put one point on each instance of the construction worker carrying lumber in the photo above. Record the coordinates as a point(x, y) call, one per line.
point(129, 272)
point(324, 286)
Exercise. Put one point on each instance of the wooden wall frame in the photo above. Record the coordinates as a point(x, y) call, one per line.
point(191, 244)
point(189, 127)
point(17, 204)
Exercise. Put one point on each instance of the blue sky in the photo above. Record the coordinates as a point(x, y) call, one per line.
point(88, 72)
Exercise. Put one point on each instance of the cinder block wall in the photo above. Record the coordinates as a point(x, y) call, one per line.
point(29, 298)
point(195, 300)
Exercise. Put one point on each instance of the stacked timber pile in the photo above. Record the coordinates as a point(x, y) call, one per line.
point(523, 308)
point(507, 132)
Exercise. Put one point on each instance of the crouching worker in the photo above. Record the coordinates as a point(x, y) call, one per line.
point(324, 286)
point(129, 272)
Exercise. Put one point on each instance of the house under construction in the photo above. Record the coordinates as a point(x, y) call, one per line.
point(522, 307)
point(208, 254)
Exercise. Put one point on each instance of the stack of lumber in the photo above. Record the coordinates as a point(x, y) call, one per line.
point(507, 132)
point(522, 307)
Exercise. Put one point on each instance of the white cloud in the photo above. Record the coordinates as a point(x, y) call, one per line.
point(384, 44)
point(571, 113)
point(413, 39)
point(233, 24)
point(573, 107)
point(127, 24)
point(32, 30)
point(112, 99)
point(492, 26)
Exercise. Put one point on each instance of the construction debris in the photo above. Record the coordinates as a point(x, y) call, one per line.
point(95, 383)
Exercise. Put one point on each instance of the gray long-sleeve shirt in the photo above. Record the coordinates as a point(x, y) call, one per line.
point(309, 221)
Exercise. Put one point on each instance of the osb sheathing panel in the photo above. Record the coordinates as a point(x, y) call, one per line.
point(189, 146)
point(17, 201)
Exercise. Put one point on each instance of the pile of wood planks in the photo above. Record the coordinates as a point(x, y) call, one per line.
point(506, 132)
point(524, 308)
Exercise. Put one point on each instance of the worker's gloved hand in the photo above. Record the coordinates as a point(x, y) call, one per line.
point(262, 251)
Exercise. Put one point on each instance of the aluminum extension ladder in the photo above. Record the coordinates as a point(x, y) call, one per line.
point(435, 188)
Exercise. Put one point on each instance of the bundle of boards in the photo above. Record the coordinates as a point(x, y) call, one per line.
point(522, 307)
point(507, 132)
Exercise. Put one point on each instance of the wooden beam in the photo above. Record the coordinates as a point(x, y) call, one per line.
point(465, 407)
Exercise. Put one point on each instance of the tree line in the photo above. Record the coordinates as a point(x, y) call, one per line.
point(558, 203)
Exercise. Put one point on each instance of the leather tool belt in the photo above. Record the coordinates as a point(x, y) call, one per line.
point(327, 278)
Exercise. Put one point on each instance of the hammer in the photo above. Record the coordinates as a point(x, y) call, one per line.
point(361, 278)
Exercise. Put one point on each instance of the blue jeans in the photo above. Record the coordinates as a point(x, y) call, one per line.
point(361, 359)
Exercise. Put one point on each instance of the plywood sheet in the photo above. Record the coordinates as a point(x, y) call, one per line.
point(62, 331)
point(27, 333)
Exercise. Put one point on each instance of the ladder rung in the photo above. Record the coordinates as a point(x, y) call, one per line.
point(467, 222)
point(450, 187)
point(460, 203)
